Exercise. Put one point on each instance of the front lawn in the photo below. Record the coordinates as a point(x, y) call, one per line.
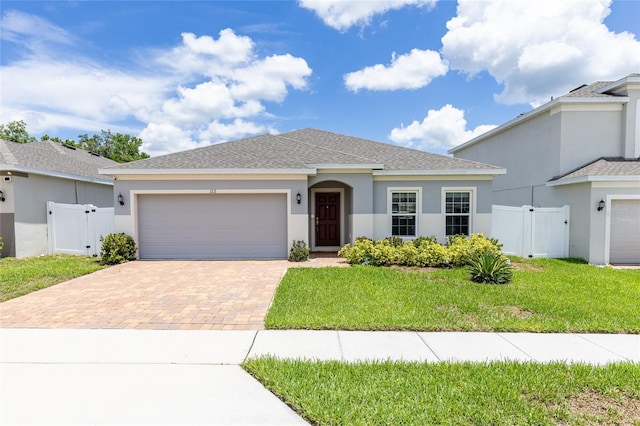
point(21, 276)
point(497, 393)
point(546, 295)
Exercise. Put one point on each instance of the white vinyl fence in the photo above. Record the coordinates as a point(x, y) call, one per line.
point(532, 231)
point(77, 228)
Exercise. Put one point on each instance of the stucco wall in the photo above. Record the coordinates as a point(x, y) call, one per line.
point(30, 213)
point(530, 152)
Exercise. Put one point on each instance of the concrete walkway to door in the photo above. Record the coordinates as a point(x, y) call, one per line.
point(161, 295)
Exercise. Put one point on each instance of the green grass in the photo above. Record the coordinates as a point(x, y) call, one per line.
point(498, 393)
point(546, 295)
point(22, 276)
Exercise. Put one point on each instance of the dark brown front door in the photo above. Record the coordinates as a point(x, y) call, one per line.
point(327, 218)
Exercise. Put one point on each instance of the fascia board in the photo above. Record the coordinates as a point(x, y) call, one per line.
point(347, 166)
point(51, 173)
point(115, 172)
point(493, 172)
point(583, 179)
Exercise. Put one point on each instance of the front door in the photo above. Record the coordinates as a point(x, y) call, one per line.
point(328, 219)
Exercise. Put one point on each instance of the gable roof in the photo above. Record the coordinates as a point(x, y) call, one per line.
point(303, 152)
point(602, 169)
point(597, 92)
point(53, 159)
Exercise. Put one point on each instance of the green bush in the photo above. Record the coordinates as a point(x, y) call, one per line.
point(427, 254)
point(395, 242)
point(364, 251)
point(424, 240)
point(299, 251)
point(1, 243)
point(462, 249)
point(117, 248)
point(491, 268)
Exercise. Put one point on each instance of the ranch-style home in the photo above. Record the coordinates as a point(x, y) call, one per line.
point(34, 173)
point(581, 149)
point(251, 198)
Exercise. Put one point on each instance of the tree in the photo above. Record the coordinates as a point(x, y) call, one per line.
point(16, 131)
point(118, 147)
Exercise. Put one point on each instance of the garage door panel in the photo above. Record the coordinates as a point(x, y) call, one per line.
point(216, 226)
point(625, 232)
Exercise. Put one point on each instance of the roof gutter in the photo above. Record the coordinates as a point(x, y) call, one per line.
point(61, 175)
point(489, 172)
point(584, 179)
point(116, 172)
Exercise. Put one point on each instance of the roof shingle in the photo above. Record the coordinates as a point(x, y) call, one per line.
point(301, 149)
point(49, 156)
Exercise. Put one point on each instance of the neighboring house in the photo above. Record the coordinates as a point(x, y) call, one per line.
point(252, 197)
point(32, 174)
point(582, 150)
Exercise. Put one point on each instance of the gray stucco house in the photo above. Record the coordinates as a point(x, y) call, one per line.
point(32, 174)
point(251, 198)
point(582, 150)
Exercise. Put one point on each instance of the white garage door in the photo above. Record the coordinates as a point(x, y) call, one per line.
point(625, 232)
point(212, 226)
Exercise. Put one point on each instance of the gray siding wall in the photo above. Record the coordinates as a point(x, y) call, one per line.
point(432, 193)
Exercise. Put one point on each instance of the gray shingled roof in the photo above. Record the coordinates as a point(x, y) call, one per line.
point(51, 157)
point(590, 91)
point(301, 149)
point(605, 167)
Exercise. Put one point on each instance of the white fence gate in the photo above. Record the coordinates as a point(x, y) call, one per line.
point(532, 231)
point(77, 228)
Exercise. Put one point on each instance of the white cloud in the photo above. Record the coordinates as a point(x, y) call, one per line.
point(411, 71)
point(202, 90)
point(538, 49)
point(440, 130)
point(31, 29)
point(343, 14)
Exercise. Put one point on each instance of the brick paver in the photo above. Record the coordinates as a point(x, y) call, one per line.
point(167, 295)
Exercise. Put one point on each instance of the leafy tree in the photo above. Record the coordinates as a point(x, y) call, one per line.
point(118, 147)
point(16, 131)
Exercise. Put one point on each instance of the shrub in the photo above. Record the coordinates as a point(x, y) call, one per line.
point(395, 242)
point(491, 268)
point(1, 243)
point(427, 254)
point(424, 240)
point(462, 249)
point(366, 252)
point(299, 251)
point(117, 248)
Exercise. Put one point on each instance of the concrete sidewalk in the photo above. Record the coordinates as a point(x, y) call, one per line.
point(66, 376)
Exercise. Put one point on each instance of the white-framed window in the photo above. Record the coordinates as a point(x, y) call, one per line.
point(457, 212)
point(404, 213)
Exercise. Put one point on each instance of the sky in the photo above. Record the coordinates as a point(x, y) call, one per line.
point(423, 74)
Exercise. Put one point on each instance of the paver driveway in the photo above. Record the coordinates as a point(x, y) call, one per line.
point(168, 295)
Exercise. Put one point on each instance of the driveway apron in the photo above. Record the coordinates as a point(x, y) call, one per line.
point(166, 295)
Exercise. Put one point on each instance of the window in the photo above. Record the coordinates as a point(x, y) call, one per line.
point(403, 214)
point(458, 212)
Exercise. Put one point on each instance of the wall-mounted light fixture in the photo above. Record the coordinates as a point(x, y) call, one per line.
point(2, 196)
point(299, 198)
point(601, 205)
point(121, 199)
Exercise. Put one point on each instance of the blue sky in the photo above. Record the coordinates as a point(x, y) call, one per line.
point(419, 73)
